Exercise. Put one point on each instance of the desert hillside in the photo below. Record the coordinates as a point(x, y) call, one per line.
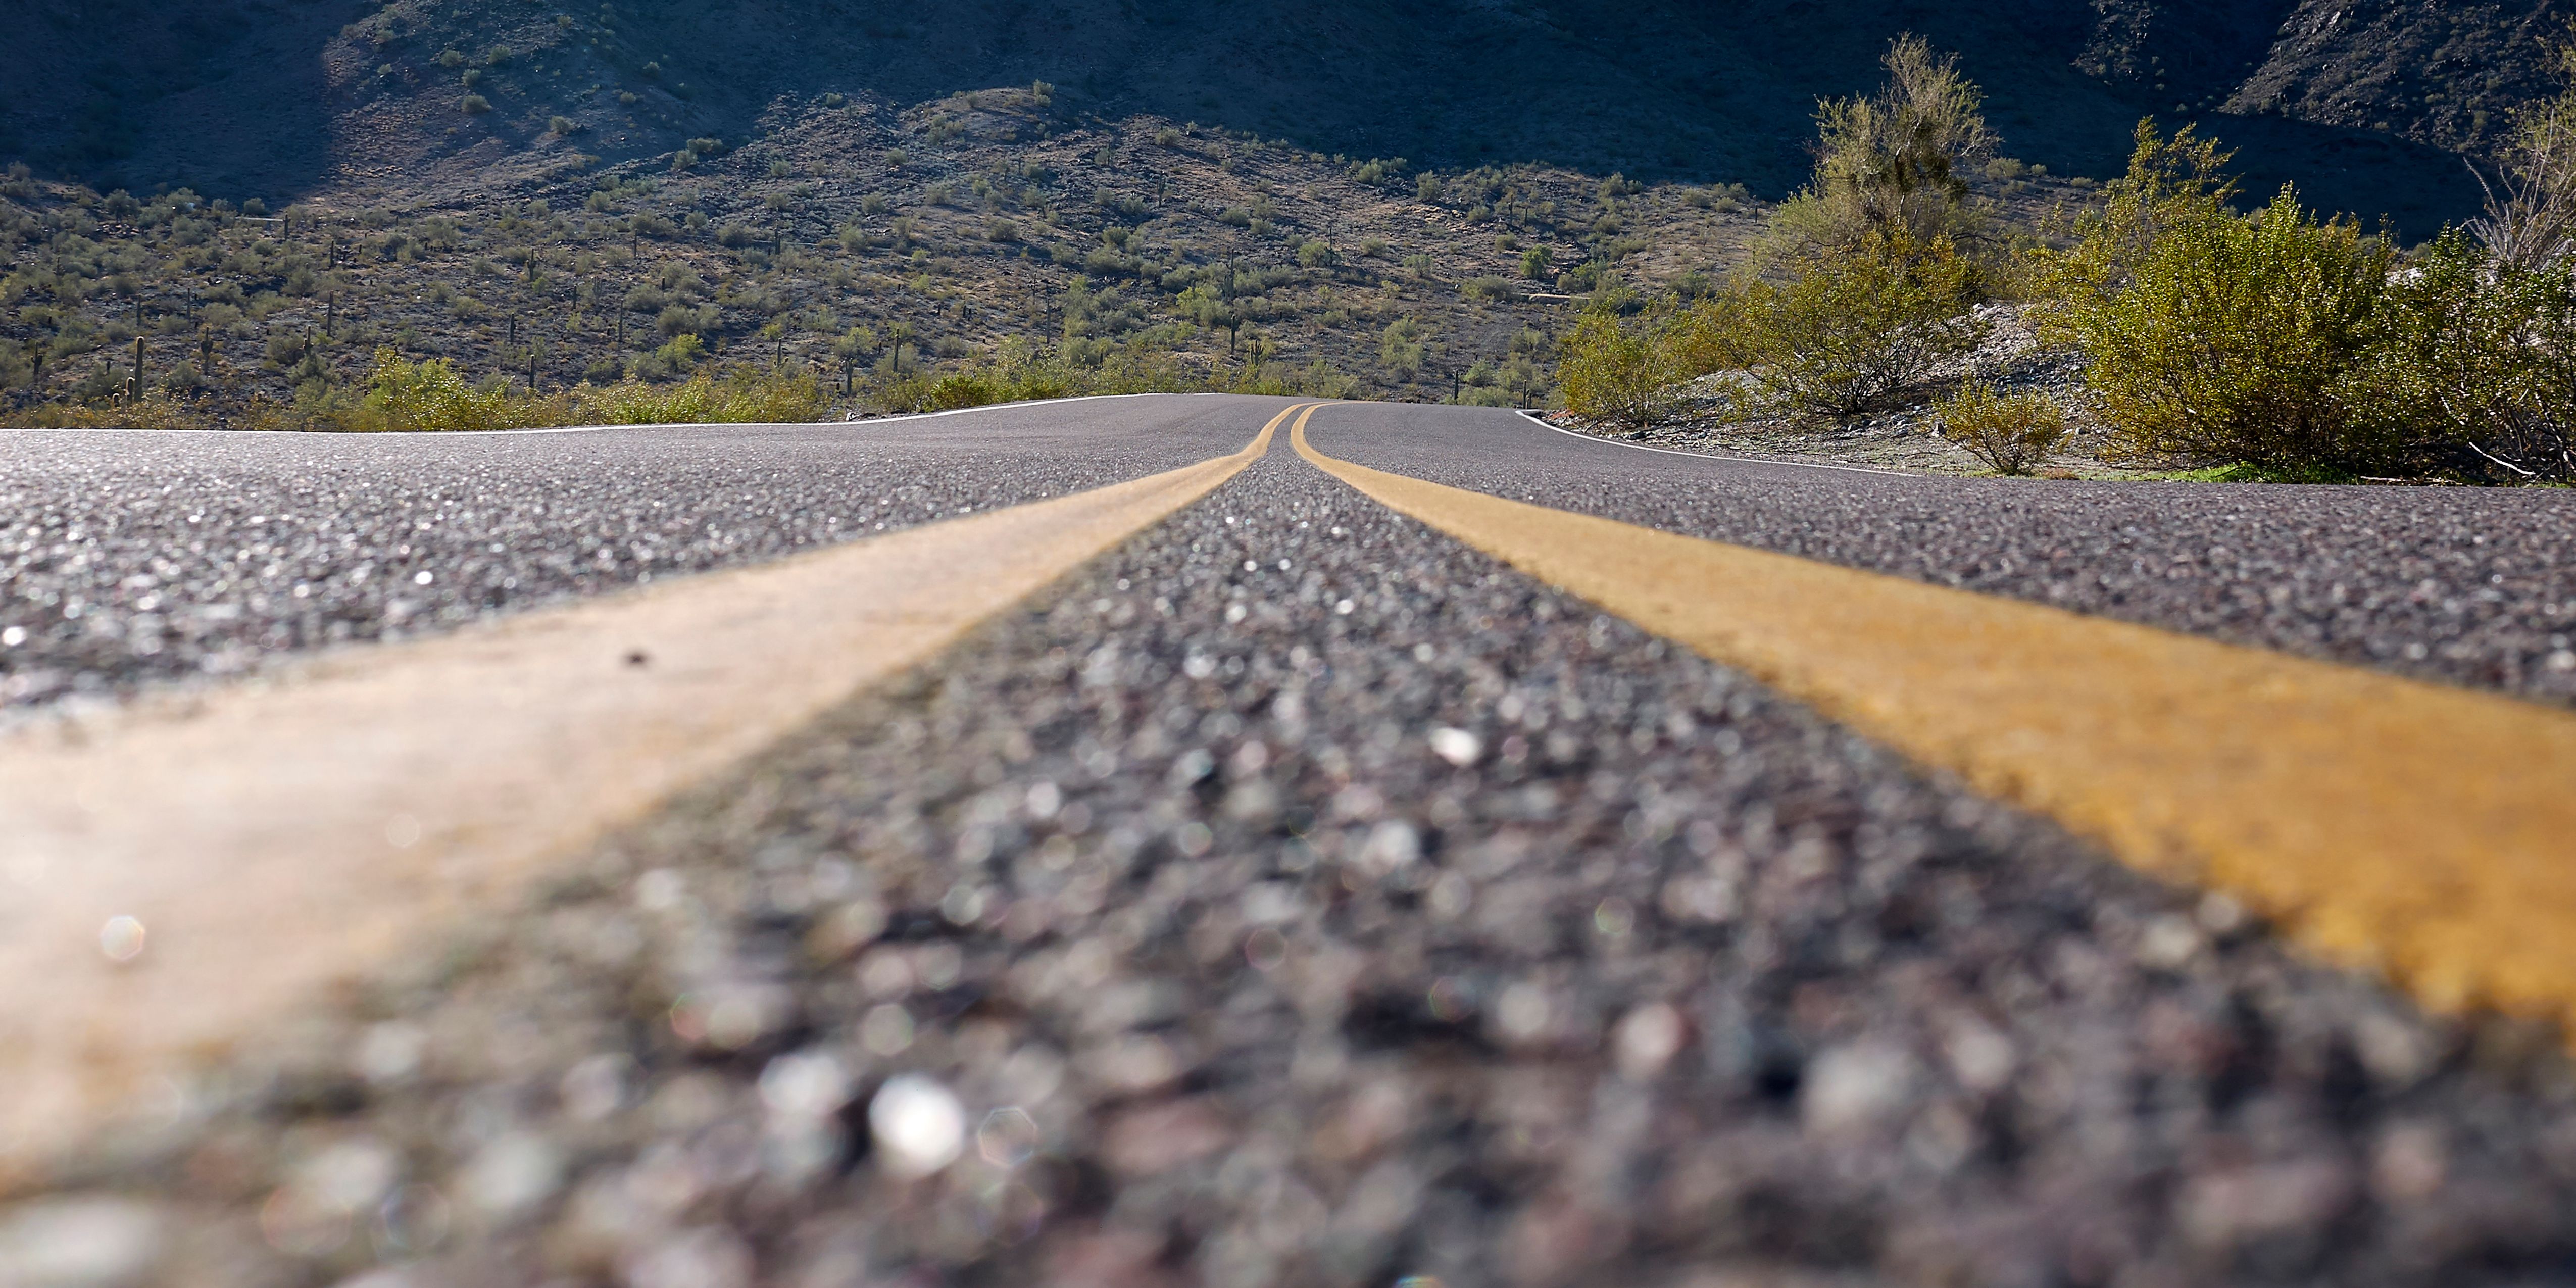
point(2364, 105)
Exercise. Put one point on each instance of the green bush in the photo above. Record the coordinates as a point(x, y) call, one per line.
point(475, 104)
point(743, 396)
point(1892, 163)
point(2009, 432)
point(2242, 338)
point(1487, 289)
point(1616, 372)
point(430, 396)
point(2475, 370)
point(1850, 332)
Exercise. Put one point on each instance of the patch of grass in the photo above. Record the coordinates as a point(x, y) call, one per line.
point(2248, 472)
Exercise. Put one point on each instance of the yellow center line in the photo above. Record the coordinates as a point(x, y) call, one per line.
point(247, 849)
point(2425, 832)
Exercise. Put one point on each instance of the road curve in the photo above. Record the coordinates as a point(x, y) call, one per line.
point(1297, 896)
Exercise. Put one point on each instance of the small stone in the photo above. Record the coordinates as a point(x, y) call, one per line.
point(805, 1086)
point(919, 1126)
point(2226, 1209)
point(512, 1175)
point(1647, 1041)
point(705, 1258)
point(1850, 1089)
point(79, 1242)
point(1457, 746)
point(2168, 943)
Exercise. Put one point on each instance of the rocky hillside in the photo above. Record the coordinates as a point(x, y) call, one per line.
point(2363, 101)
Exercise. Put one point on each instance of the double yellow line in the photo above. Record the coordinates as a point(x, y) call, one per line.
point(261, 842)
point(2424, 832)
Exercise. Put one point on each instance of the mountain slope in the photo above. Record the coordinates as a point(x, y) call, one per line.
point(283, 97)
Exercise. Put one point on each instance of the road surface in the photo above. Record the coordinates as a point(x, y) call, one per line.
point(1295, 894)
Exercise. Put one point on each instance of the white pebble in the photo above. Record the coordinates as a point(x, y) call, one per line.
point(1523, 1012)
point(1851, 1088)
point(512, 1174)
point(2169, 943)
point(918, 1124)
point(805, 1086)
point(78, 1243)
point(1457, 746)
point(121, 939)
point(1648, 1040)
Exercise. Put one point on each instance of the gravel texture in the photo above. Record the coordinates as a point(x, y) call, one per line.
point(135, 557)
point(2474, 587)
point(1301, 898)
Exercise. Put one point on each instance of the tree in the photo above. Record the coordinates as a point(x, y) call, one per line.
point(1896, 161)
point(2530, 224)
point(853, 348)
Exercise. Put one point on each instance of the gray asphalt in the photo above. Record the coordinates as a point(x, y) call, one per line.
point(2467, 586)
point(1297, 897)
point(132, 558)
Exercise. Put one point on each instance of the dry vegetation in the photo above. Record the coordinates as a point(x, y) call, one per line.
point(983, 238)
point(2274, 341)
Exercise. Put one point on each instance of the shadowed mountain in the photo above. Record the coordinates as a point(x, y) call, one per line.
point(283, 97)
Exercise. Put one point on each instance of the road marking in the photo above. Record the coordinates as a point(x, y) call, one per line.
point(1712, 456)
point(274, 838)
point(2388, 825)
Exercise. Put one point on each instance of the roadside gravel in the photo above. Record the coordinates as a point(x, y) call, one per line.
point(2466, 586)
point(1301, 898)
point(127, 558)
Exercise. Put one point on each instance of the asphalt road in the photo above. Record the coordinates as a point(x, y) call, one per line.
point(130, 558)
point(2475, 587)
point(1299, 897)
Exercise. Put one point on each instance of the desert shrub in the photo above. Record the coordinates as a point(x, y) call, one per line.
point(1535, 263)
point(2474, 370)
point(2241, 338)
point(153, 410)
point(1611, 370)
point(2010, 432)
point(1893, 163)
point(430, 396)
point(560, 126)
point(1401, 349)
point(1849, 332)
point(1001, 230)
point(1486, 289)
point(1316, 254)
point(1376, 171)
point(743, 396)
point(475, 104)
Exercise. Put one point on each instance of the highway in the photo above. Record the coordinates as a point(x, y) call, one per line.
point(1249, 841)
